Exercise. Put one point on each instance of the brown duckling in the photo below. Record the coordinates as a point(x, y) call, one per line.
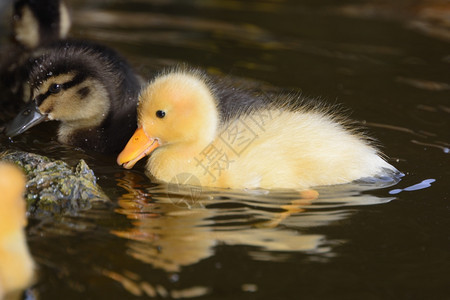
point(89, 88)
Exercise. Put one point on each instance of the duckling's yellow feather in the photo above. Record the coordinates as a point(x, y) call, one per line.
point(16, 264)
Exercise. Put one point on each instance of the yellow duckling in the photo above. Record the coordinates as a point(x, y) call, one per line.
point(16, 264)
point(226, 141)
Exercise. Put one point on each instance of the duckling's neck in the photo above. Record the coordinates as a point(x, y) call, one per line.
point(68, 129)
point(171, 160)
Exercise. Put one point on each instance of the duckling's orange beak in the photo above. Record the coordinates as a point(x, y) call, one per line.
point(139, 146)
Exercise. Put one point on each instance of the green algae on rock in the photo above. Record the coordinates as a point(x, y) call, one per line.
point(53, 187)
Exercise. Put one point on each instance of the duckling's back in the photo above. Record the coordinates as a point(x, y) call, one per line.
point(280, 148)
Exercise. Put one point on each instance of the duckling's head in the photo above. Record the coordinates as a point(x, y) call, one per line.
point(67, 85)
point(177, 108)
point(36, 23)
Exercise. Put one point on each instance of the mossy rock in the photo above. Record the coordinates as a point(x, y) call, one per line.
point(53, 187)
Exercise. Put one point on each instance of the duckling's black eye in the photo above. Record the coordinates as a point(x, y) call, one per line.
point(160, 114)
point(54, 88)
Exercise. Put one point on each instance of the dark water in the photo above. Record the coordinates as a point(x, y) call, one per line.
point(389, 65)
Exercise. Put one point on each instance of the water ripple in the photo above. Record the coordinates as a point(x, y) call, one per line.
point(274, 224)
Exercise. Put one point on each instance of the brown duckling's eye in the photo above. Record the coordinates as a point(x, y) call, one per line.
point(54, 88)
point(160, 114)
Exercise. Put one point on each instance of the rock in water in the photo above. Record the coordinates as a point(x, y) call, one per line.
point(53, 187)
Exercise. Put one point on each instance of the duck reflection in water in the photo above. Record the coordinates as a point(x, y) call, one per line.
point(172, 228)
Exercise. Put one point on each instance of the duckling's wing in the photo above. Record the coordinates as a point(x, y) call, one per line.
point(236, 97)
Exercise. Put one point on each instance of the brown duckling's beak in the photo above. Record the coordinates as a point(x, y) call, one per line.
point(139, 146)
point(29, 116)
